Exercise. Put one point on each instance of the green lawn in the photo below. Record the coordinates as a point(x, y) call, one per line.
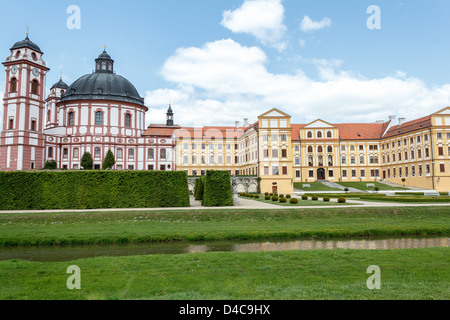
point(363, 186)
point(202, 224)
point(315, 186)
point(418, 274)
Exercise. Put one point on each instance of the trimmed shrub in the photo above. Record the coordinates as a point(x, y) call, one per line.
point(87, 163)
point(283, 200)
point(288, 196)
point(267, 197)
point(271, 194)
point(266, 194)
point(281, 196)
point(293, 201)
point(256, 196)
point(199, 193)
point(109, 161)
point(275, 194)
point(93, 190)
point(51, 165)
point(326, 199)
point(342, 200)
point(217, 189)
point(304, 197)
point(274, 198)
point(196, 187)
point(314, 198)
point(346, 189)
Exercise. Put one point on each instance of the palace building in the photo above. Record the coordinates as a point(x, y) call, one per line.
point(103, 111)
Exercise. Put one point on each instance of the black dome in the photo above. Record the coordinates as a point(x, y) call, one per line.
point(103, 86)
point(27, 43)
point(60, 84)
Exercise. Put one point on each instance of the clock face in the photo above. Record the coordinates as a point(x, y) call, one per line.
point(35, 72)
point(14, 70)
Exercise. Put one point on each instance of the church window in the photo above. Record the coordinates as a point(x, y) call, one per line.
point(13, 85)
point(71, 118)
point(127, 120)
point(99, 118)
point(34, 87)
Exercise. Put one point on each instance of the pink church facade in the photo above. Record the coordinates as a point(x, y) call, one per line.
point(98, 112)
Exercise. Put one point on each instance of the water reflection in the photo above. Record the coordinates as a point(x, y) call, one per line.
point(69, 253)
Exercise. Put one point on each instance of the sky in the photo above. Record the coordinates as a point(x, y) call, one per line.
point(217, 62)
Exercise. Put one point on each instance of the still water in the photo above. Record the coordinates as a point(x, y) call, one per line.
point(69, 253)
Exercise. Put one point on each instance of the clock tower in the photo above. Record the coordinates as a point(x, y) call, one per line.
point(22, 137)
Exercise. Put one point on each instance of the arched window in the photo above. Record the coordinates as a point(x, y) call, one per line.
point(48, 115)
point(17, 54)
point(330, 161)
point(330, 149)
point(13, 85)
point(310, 149)
point(34, 87)
point(71, 118)
point(127, 120)
point(310, 161)
point(99, 118)
point(310, 135)
point(319, 134)
point(320, 149)
point(320, 161)
point(329, 134)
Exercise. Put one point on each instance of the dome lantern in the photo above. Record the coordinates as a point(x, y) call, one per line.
point(104, 63)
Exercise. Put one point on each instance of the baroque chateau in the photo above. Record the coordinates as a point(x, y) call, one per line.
point(103, 111)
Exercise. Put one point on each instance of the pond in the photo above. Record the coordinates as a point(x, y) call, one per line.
point(70, 253)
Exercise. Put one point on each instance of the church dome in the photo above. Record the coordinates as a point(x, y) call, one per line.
point(103, 84)
point(60, 84)
point(27, 43)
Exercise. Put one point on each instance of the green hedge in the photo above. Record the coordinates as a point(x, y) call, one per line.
point(93, 190)
point(217, 189)
point(200, 185)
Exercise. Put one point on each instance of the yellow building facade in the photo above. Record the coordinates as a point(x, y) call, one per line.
point(414, 153)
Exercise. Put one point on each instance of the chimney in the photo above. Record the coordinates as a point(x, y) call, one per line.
point(237, 125)
point(246, 123)
point(401, 121)
point(392, 118)
point(379, 121)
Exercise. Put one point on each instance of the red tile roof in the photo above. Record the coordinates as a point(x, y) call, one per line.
point(360, 131)
point(160, 130)
point(410, 126)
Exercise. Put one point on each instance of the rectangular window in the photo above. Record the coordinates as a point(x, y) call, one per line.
point(266, 171)
point(266, 153)
point(344, 160)
point(283, 137)
point(274, 153)
point(50, 152)
point(285, 171)
point(162, 167)
point(361, 160)
point(353, 173)
point(220, 160)
point(441, 151)
point(311, 173)
point(442, 167)
point(211, 160)
point(65, 153)
point(151, 154)
point(353, 160)
point(131, 154)
point(330, 173)
point(194, 172)
point(427, 168)
point(228, 160)
point(33, 125)
point(76, 153)
point(363, 173)
point(275, 171)
point(344, 173)
point(439, 135)
point(297, 174)
point(131, 168)
point(194, 160)
point(297, 161)
point(151, 167)
point(11, 124)
point(284, 153)
point(119, 167)
point(163, 154)
point(185, 160)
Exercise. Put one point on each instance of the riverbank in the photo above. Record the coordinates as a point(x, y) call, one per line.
point(32, 229)
point(292, 275)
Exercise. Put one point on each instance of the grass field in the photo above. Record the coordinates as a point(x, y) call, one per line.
point(315, 186)
point(290, 275)
point(363, 186)
point(195, 225)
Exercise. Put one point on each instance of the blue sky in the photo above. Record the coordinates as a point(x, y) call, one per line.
point(220, 61)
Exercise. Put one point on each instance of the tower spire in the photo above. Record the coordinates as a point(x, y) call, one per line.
point(27, 33)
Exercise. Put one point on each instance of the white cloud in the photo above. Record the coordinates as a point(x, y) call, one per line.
point(260, 18)
point(308, 25)
point(224, 81)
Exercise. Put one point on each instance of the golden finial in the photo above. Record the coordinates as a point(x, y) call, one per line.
point(27, 31)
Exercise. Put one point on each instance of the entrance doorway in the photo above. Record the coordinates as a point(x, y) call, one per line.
point(321, 174)
point(275, 189)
